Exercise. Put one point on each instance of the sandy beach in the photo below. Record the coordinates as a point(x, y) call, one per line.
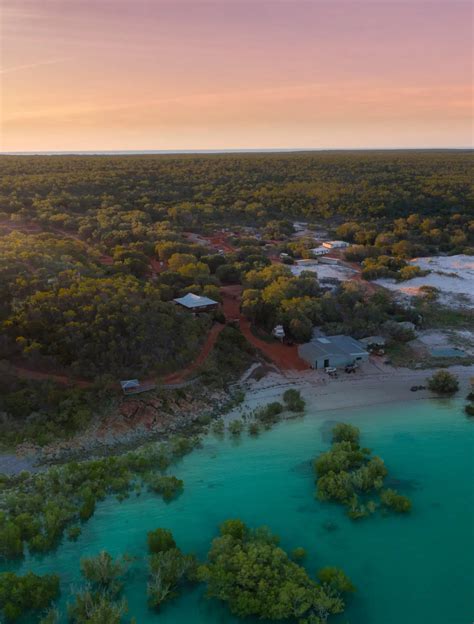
point(371, 385)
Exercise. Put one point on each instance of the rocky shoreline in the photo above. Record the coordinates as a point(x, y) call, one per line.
point(156, 416)
point(136, 421)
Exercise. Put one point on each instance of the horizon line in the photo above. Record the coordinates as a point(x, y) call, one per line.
point(262, 150)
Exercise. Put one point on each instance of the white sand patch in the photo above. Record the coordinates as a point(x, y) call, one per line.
point(373, 384)
point(447, 339)
point(336, 271)
point(453, 276)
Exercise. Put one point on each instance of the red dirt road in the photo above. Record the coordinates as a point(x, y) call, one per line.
point(284, 356)
point(27, 373)
point(180, 376)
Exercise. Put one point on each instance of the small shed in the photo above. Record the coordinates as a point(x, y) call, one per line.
point(320, 251)
point(133, 386)
point(326, 260)
point(196, 303)
point(337, 351)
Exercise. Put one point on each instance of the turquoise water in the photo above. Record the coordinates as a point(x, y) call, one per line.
point(417, 569)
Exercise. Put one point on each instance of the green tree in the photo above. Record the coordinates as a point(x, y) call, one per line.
point(21, 594)
point(160, 540)
point(443, 382)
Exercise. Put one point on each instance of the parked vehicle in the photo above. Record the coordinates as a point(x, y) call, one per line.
point(330, 370)
point(350, 368)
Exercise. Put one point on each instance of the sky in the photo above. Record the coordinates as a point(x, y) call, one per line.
point(235, 74)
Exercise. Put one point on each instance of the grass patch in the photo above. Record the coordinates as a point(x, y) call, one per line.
point(436, 316)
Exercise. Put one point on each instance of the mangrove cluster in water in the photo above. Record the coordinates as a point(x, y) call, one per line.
point(100, 599)
point(248, 571)
point(169, 568)
point(349, 475)
point(264, 416)
point(35, 510)
point(20, 595)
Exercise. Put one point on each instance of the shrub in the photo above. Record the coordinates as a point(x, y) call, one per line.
point(94, 607)
point(235, 528)
point(410, 271)
point(160, 540)
point(247, 570)
point(343, 432)
point(293, 400)
point(168, 570)
point(397, 502)
point(253, 429)
point(348, 474)
point(218, 426)
point(443, 382)
point(103, 572)
point(269, 414)
point(297, 554)
point(73, 533)
point(236, 427)
point(11, 544)
point(31, 592)
point(469, 409)
point(336, 579)
point(168, 486)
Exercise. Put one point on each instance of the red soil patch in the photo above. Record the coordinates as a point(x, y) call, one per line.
point(284, 356)
point(219, 241)
point(106, 260)
point(157, 266)
point(27, 373)
point(27, 228)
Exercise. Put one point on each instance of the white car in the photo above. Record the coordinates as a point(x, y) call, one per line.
point(330, 370)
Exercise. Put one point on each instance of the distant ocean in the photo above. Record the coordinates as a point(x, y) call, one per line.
point(151, 152)
point(231, 151)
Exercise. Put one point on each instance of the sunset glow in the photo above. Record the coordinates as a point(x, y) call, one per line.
point(178, 74)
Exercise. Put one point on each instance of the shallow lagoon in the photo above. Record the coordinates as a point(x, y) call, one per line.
point(413, 569)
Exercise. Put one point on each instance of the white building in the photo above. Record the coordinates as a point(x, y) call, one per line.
point(336, 244)
point(320, 251)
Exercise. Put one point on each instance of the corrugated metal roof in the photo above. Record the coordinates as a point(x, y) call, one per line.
point(195, 301)
point(332, 345)
point(129, 383)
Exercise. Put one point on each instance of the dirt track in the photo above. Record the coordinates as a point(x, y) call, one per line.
point(284, 356)
point(64, 380)
point(180, 376)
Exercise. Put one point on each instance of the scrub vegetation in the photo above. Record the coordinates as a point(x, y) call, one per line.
point(349, 475)
point(274, 296)
point(93, 250)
